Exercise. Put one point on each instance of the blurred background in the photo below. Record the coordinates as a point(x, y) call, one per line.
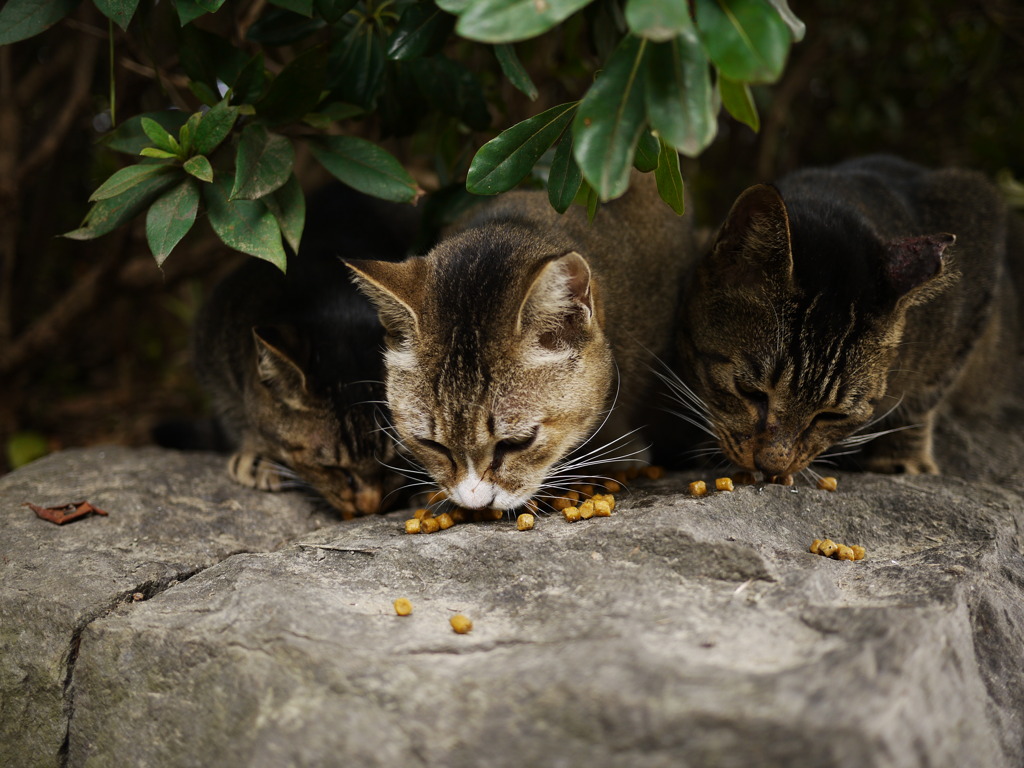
point(94, 336)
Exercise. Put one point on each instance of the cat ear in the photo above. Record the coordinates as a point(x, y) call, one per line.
point(559, 301)
point(911, 262)
point(754, 242)
point(395, 288)
point(280, 357)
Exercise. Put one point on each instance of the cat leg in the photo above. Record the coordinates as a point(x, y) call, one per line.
point(255, 471)
point(906, 452)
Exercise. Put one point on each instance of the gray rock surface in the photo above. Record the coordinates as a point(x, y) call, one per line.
point(678, 632)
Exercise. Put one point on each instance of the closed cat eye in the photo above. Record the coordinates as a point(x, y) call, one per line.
point(756, 396)
point(435, 446)
point(519, 443)
point(828, 417)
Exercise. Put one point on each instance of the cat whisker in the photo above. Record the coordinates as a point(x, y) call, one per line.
point(858, 439)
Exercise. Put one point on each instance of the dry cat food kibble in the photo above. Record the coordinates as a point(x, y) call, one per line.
point(698, 488)
point(461, 624)
point(429, 525)
point(402, 606)
point(723, 483)
point(653, 472)
point(828, 483)
point(525, 521)
point(572, 514)
point(445, 520)
point(612, 486)
point(412, 526)
point(828, 548)
point(587, 509)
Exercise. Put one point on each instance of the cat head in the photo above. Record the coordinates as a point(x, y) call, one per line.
point(791, 325)
point(496, 362)
point(326, 433)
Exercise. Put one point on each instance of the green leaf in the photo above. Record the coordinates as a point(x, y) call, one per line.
point(658, 20)
point(187, 134)
point(647, 151)
point(564, 176)
point(245, 225)
point(366, 167)
point(508, 21)
point(212, 6)
point(450, 87)
point(611, 119)
point(22, 19)
point(118, 11)
point(746, 39)
point(505, 160)
point(107, 215)
point(159, 136)
point(263, 163)
point(131, 139)
point(188, 10)
point(170, 218)
point(670, 179)
point(158, 153)
point(203, 92)
point(297, 88)
point(200, 167)
point(739, 102)
point(515, 71)
point(680, 99)
point(248, 86)
point(214, 127)
point(332, 10)
point(288, 204)
point(302, 7)
point(796, 27)
point(422, 31)
point(126, 178)
point(357, 68)
point(278, 26)
point(453, 6)
point(592, 200)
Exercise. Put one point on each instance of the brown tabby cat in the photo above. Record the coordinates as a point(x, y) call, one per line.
point(293, 363)
point(508, 343)
point(864, 295)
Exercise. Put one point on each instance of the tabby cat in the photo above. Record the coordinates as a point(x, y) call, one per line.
point(293, 363)
point(509, 342)
point(858, 297)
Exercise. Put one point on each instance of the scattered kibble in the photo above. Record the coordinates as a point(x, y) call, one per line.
point(429, 525)
point(525, 521)
point(781, 479)
point(461, 624)
point(723, 483)
point(844, 553)
point(829, 548)
point(445, 520)
point(419, 514)
point(828, 483)
point(858, 551)
point(698, 488)
point(653, 472)
point(412, 526)
point(612, 486)
point(585, 491)
point(571, 514)
point(814, 546)
point(601, 508)
point(402, 606)
point(587, 509)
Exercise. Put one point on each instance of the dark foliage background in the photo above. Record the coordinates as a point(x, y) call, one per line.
point(93, 336)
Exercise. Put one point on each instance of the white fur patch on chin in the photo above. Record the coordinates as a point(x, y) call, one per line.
point(472, 492)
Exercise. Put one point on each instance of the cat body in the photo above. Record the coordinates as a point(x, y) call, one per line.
point(509, 342)
point(292, 362)
point(859, 296)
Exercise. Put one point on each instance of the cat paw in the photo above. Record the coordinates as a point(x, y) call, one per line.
point(254, 471)
point(903, 466)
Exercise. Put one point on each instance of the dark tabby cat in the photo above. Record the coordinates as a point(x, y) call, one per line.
point(846, 298)
point(293, 363)
point(507, 343)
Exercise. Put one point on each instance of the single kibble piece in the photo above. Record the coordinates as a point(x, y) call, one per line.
point(525, 521)
point(585, 491)
point(744, 478)
point(723, 483)
point(419, 514)
point(612, 486)
point(461, 624)
point(412, 526)
point(827, 548)
point(436, 496)
point(602, 508)
point(844, 553)
point(429, 525)
point(858, 551)
point(445, 520)
point(572, 514)
point(562, 503)
point(605, 497)
point(653, 472)
point(497, 514)
point(781, 479)
point(698, 488)
point(587, 510)
point(531, 506)
point(458, 515)
point(403, 607)
point(814, 546)
point(828, 483)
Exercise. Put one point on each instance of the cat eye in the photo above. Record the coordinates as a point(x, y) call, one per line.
point(755, 396)
point(827, 417)
point(518, 443)
point(435, 446)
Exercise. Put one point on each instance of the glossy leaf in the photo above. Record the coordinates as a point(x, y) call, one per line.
point(200, 167)
point(453, 6)
point(214, 127)
point(739, 102)
point(288, 204)
point(564, 176)
point(680, 101)
point(659, 20)
point(746, 39)
point(161, 154)
point(262, 164)
point(170, 218)
point(126, 178)
point(647, 151)
point(332, 10)
point(212, 6)
point(670, 179)
point(506, 160)
point(248, 86)
point(366, 167)
point(357, 68)
point(188, 10)
point(159, 136)
point(129, 137)
point(514, 70)
point(187, 134)
point(22, 19)
point(301, 7)
point(245, 225)
point(297, 89)
point(508, 21)
point(118, 11)
point(421, 31)
point(610, 120)
point(107, 215)
point(796, 27)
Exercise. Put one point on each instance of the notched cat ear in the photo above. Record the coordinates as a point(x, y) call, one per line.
point(281, 356)
point(395, 288)
point(754, 242)
point(911, 262)
point(559, 302)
